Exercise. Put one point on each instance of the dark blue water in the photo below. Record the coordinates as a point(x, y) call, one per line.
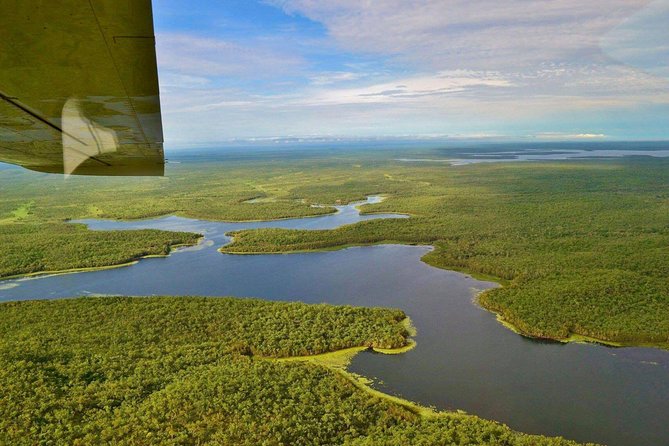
point(464, 358)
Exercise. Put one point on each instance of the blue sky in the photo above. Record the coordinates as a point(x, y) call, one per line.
point(540, 69)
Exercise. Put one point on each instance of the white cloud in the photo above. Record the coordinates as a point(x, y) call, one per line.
point(464, 33)
point(334, 78)
point(642, 40)
point(201, 56)
point(563, 136)
point(420, 67)
point(171, 79)
point(413, 88)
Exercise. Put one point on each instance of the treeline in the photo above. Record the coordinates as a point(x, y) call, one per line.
point(33, 248)
point(190, 371)
point(212, 191)
point(275, 240)
point(582, 243)
point(539, 226)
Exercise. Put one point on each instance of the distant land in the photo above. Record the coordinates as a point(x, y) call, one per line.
point(565, 252)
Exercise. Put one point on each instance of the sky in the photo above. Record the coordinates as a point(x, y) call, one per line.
point(270, 70)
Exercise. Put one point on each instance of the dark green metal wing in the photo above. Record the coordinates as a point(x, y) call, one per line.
point(79, 87)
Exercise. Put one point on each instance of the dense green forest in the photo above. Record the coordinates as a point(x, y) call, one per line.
point(187, 370)
point(581, 245)
point(34, 208)
point(35, 248)
point(216, 190)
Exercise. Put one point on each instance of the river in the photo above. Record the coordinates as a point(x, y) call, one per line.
point(464, 359)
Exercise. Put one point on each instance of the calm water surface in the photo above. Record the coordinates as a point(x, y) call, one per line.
point(464, 358)
point(539, 155)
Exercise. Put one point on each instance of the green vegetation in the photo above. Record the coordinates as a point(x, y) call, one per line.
point(38, 248)
point(34, 208)
point(18, 214)
point(580, 245)
point(209, 191)
point(197, 371)
point(451, 430)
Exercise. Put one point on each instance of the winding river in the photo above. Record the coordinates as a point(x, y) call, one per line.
point(464, 358)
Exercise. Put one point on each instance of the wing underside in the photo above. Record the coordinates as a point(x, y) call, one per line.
point(79, 87)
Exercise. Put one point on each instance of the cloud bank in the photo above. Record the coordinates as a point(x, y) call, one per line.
point(372, 68)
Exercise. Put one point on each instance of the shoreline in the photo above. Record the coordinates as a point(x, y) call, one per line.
point(87, 269)
point(173, 248)
point(338, 361)
point(575, 338)
point(179, 214)
point(572, 338)
point(325, 249)
point(499, 313)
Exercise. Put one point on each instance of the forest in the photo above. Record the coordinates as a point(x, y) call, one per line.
point(190, 370)
point(580, 245)
point(38, 248)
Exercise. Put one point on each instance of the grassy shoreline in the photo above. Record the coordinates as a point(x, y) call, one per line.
point(338, 361)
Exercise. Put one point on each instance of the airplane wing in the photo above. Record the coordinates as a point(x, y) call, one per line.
point(79, 87)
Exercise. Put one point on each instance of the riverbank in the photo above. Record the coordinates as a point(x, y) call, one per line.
point(434, 262)
point(500, 316)
point(572, 338)
point(130, 262)
point(194, 217)
point(332, 211)
point(225, 248)
point(338, 361)
point(209, 370)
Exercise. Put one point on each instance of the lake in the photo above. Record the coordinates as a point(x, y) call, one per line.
point(464, 359)
point(529, 154)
